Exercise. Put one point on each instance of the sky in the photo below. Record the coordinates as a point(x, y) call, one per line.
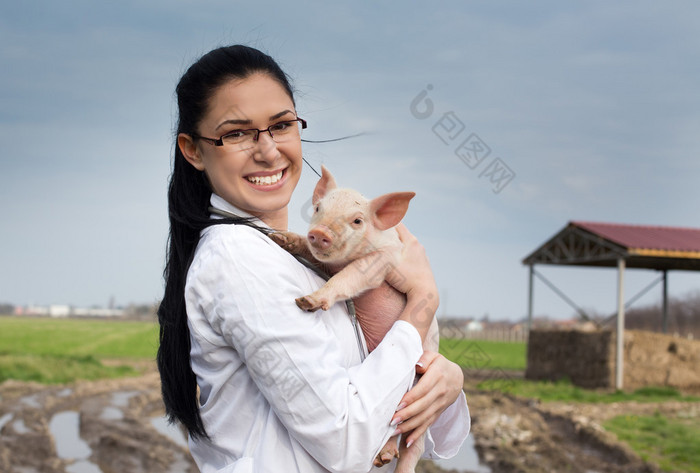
point(508, 119)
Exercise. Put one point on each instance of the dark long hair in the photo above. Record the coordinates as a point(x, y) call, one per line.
point(189, 193)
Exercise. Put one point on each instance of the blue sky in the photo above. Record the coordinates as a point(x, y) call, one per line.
point(590, 109)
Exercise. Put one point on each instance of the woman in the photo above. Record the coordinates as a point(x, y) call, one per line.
point(279, 389)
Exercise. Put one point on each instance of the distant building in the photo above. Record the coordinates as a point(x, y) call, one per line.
point(59, 310)
point(96, 312)
point(36, 310)
point(475, 326)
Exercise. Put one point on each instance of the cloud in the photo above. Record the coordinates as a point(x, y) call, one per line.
point(593, 106)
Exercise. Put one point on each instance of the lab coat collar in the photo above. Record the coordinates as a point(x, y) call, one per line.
point(222, 204)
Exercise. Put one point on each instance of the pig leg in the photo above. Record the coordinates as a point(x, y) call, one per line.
point(408, 457)
point(388, 452)
point(293, 243)
point(360, 275)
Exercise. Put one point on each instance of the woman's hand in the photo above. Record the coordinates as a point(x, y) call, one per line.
point(414, 277)
point(439, 386)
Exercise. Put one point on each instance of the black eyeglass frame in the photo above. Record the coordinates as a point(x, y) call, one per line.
point(220, 140)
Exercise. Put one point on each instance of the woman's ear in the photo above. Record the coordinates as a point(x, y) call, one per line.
point(189, 151)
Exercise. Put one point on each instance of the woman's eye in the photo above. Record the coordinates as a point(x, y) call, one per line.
point(280, 126)
point(234, 135)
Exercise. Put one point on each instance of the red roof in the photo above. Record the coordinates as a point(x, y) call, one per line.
point(646, 236)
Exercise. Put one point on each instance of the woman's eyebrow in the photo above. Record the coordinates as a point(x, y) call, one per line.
point(282, 113)
point(240, 121)
point(234, 121)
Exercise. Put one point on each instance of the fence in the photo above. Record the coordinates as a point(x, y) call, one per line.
point(490, 334)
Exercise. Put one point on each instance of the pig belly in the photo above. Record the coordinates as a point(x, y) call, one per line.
point(377, 310)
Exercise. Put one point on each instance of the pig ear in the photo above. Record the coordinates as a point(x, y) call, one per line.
point(388, 210)
point(325, 184)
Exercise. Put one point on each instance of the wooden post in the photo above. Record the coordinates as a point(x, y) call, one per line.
point(530, 298)
point(619, 361)
point(665, 301)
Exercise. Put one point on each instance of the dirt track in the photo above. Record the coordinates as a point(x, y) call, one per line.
point(525, 436)
point(116, 421)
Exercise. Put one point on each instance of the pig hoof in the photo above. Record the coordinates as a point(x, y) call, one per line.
point(279, 238)
point(307, 304)
point(283, 240)
point(386, 454)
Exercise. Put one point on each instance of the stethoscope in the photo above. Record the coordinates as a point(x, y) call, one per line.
point(349, 303)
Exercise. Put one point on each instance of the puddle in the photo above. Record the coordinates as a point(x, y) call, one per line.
point(65, 392)
point(4, 420)
point(121, 398)
point(171, 431)
point(31, 401)
point(467, 460)
point(20, 427)
point(65, 429)
point(112, 413)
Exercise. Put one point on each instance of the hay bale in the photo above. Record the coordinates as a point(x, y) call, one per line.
point(655, 359)
point(587, 358)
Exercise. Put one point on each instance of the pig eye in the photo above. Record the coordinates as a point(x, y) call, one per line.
point(357, 221)
point(316, 209)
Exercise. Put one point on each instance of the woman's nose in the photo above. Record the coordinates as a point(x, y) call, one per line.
point(265, 148)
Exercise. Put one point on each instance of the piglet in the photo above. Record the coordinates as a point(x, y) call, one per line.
point(354, 239)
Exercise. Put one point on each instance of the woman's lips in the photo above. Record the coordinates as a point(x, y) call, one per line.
point(267, 180)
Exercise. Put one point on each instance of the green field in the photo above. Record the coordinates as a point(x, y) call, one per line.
point(63, 350)
point(673, 444)
point(563, 390)
point(485, 355)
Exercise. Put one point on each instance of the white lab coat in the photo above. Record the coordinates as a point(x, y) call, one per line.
point(284, 390)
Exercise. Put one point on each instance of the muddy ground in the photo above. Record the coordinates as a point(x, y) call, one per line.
point(118, 432)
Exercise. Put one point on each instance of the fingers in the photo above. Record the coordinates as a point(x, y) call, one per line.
point(419, 424)
point(435, 391)
point(425, 360)
point(413, 273)
point(404, 234)
point(422, 387)
point(424, 398)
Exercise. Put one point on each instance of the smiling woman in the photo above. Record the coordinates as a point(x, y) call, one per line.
point(259, 384)
point(258, 171)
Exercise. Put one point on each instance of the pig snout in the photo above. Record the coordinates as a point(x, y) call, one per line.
point(320, 238)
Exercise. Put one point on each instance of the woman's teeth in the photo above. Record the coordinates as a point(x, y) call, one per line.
point(265, 181)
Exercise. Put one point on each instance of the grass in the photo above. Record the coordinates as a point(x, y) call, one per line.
point(64, 350)
point(47, 369)
point(485, 355)
point(672, 444)
point(563, 390)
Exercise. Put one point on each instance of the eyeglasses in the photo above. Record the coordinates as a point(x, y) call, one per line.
point(246, 139)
